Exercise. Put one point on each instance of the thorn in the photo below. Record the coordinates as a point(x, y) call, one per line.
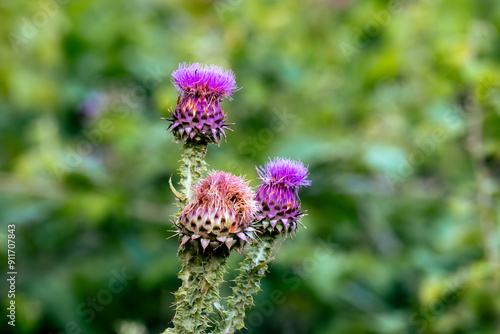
point(185, 239)
point(242, 236)
point(229, 242)
point(273, 223)
point(176, 193)
point(172, 236)
point(250, 236)
point(204, 243)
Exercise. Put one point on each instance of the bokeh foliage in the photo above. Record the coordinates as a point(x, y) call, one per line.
point(394, 105)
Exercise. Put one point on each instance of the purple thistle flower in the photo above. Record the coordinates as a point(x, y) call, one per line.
point(278, 194)
point(198, 116)
point(221, 211)
point(204, 80)
point(286, 172)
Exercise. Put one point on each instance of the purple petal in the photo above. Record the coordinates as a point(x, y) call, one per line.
point(204, 80)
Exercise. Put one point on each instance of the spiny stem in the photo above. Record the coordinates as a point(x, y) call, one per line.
point(192, 170)
point(189, 319)
point(201, 276)
point(189, 259)
point(252, 269)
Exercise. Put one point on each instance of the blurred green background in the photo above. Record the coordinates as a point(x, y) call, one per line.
point(394, 105)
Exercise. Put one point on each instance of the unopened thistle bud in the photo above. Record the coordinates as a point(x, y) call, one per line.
point(220, 213)
point(198, 116)
point(278, 195)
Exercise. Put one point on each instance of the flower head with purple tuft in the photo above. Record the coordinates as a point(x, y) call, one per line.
point(198, 116)
point(278, 195)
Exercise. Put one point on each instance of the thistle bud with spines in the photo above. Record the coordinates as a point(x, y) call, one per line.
point(278, 195)
point(220, 213)
point(198, 116)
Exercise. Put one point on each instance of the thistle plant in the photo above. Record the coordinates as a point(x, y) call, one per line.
point(220, 212)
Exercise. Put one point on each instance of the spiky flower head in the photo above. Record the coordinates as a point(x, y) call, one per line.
point(278, 195)
point(221, 211)
point(198, 116)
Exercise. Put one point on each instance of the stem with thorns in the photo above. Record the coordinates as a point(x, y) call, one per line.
point(201, 276)
point(252, 270)
point(192, 170)
point(197, 272)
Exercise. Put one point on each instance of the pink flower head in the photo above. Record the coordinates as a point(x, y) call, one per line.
point(221, 211)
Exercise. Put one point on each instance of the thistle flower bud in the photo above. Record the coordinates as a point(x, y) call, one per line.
point(220, 213)
point(278, 195)
point(198, 116)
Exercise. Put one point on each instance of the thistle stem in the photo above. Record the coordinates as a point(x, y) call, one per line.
point(252, 270)
point(201, 276)
point(196, 273)
point(192, 169)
